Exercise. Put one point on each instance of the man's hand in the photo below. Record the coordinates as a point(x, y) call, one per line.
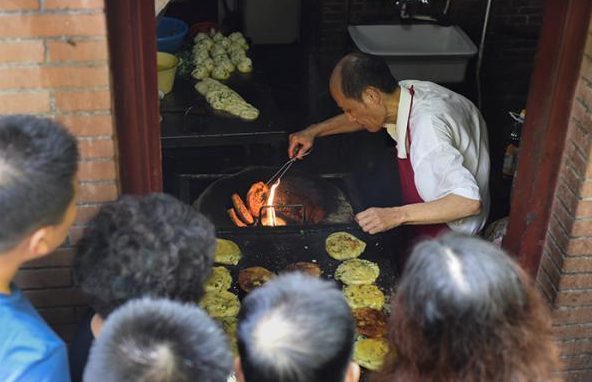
point(375, 220)
point(300, 143)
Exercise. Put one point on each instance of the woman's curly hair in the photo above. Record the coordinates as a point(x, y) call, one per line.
point(153, 245)
point(466, 312)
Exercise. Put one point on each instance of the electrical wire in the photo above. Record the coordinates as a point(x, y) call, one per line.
point(480, 56)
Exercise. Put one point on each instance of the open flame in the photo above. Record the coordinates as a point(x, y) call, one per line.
point(272, 220)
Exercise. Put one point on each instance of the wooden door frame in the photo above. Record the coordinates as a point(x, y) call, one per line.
point(552, 89)
point(131, 32)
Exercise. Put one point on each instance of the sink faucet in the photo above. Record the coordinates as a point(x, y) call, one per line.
point(408, 9)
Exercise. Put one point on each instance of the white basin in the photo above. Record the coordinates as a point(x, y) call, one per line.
point(418, 51)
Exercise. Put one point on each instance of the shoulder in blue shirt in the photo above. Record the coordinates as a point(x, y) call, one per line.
point(29, 349)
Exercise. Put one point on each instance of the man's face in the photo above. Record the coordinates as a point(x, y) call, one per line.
point(368, 113)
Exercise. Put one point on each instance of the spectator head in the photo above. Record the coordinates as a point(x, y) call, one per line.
point(153, 245)
point(465, 311)
point(296, 328)
point(158, 340)
point(38, 164)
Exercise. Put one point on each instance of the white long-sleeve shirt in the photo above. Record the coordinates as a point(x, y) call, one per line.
point(449, 147)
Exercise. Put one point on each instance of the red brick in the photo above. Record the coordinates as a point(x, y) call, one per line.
point(561, 216)
point(553, 251)
point(577, 362)
point(577, 264)
point(572, 331)
point(56, 297)
point(580, 247)
point(96, 170)
point(576, 281)
point(576, 347)
point(83, 100)
point(65, 331)
point(85, 213)
point(77, 50)
point(574, 297)
point(25, 52)
point(18, 5)
point(88, 125)
point(572, 315)
point(559, 236)
point(573, 181)
point(97, 192)
point(80, 312)
point(576, 376)
point(74, 234)
point(586, 189)
point(580, 135)
point(567, 197)
point(551, 270)
point(53, 77)
point(59, 315)
point(74, 4)
point(43, 278)
point(46, 25)
point(96, 148)
point(24, 103)
point(59, 258)
point(576, 159)
point(546, 286)
point(582, 227)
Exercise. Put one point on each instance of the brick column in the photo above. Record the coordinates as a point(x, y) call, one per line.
point(565, 274)
point(54, 63)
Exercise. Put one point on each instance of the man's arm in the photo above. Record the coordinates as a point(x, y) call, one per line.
point(446, 209)
point(304, 139)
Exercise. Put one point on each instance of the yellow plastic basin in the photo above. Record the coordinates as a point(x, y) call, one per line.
point(166, 65)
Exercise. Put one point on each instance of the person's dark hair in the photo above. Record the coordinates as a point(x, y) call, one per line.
point(465, 311)
point(158, 340)
point(154, 245)
point(360, 70)
point(38, 163)
point(295, 328)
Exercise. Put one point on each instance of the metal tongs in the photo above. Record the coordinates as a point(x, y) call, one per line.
point(285, 167)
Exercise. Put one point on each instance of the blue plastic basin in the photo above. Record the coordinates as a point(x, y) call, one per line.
point(170, 33)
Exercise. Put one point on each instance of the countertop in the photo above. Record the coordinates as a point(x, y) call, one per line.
point(188, 120)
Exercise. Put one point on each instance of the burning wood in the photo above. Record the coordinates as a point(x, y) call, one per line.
point(278, 222)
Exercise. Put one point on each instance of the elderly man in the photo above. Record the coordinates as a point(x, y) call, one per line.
point(442, 148)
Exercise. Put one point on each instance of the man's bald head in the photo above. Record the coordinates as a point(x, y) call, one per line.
point(357, 71)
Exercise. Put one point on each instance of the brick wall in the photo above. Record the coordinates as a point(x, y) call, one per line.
point(565, 275)
point(54, 63)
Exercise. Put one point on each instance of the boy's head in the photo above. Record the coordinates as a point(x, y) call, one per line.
point(38, 164)
point(158, 340)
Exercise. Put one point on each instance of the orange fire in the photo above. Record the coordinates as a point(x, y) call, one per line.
point(272, 220)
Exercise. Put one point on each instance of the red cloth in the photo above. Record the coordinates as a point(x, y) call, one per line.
point(409, 192)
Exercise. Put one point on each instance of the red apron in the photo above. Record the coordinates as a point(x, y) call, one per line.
point(409, 192)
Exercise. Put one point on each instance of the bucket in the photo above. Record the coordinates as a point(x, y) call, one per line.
point(170, 33)
point(166, 65)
